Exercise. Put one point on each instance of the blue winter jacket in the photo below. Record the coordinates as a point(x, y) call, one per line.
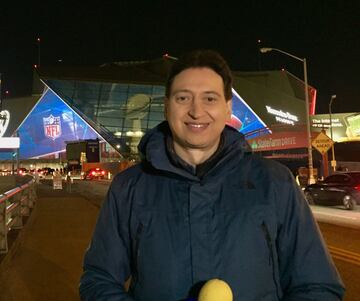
point(245, 221)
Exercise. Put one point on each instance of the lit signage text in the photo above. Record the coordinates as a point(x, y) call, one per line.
point(275, 143)
point(325, 123)
point(279, 141)
point(283, 117)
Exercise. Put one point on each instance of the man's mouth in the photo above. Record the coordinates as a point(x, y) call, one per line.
point(197, 125)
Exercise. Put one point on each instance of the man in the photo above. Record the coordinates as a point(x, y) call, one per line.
point(200, 205)
point(69, 181)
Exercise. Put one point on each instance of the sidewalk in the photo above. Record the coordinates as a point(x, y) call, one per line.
point(45, 262)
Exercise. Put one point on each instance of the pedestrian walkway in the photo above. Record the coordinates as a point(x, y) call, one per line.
point(45, 261)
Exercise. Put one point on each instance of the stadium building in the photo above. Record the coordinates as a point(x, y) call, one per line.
point(118, 103)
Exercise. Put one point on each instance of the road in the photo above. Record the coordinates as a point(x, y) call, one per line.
point(341, 231)
point(344, 246)
point(337, 216)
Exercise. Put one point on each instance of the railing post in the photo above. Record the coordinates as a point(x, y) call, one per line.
point(25, 200)
point(16, 213)
point(15, 204)
point(32, 195)
point(3, 229)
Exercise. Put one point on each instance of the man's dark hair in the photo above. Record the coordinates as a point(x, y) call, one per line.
point(202, 59)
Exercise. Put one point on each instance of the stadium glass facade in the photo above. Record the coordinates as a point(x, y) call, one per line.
point(122, 113)
point(120, 102)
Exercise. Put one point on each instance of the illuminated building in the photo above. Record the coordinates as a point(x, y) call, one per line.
point(117, 103)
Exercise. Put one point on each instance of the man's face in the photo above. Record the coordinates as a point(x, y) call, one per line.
point(197, 109)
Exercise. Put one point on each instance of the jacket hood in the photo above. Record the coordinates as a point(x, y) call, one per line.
point(152, 147)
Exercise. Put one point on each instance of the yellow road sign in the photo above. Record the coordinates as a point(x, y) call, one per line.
point(322, 143)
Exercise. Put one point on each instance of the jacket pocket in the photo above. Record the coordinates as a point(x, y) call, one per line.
point(270, 245)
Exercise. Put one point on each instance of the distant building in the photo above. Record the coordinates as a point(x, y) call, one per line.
point(118, 103)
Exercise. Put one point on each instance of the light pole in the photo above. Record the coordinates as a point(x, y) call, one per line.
point(311, 179)
point(333, 161)
point(39, 49)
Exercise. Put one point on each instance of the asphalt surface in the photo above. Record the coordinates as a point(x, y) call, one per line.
point(344, 246)
point(45, 257)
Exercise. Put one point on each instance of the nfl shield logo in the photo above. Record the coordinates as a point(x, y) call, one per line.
point(52, 127)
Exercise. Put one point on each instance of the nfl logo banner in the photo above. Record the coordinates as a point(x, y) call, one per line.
point(52, 127)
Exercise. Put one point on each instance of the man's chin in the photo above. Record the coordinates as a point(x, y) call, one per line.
point(198, 145)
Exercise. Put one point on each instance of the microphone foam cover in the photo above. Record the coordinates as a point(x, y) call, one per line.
point(215, 290)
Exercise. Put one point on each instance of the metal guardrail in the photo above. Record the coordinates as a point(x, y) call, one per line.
point(14, 205)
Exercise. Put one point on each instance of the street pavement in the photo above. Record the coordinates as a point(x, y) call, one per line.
point(337, 216)
point(45, 261)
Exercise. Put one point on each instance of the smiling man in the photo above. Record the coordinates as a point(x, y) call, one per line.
point(201, 206)
point(196, 109)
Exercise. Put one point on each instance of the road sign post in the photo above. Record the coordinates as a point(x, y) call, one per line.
point(322, 144)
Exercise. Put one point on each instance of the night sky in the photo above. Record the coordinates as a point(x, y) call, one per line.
point(326, 33)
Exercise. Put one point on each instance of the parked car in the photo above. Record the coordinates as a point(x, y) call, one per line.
point(338, 189)
point(94, 173)
point(47, 171)
point(22, 171)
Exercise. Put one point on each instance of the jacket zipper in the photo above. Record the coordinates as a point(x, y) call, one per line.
point(135, 272)
point(271, 254)
point(268, 242)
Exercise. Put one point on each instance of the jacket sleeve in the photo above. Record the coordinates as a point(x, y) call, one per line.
point(107, 260)
point(307, 271)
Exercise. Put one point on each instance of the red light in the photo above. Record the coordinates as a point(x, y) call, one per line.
point(357, 187)
point(93, 173)
point(103, 172)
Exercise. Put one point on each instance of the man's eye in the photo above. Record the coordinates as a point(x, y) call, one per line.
point(182, 98)
point(210, 99)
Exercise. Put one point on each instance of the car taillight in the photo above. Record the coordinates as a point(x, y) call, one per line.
point(93, 173)
point(103, 172)
point(357, 187)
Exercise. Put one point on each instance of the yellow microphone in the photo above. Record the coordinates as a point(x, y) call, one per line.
point(215, 290)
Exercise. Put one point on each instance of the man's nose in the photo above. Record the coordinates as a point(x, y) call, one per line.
point(196, 109)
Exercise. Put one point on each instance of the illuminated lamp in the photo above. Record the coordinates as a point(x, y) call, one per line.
point(311, 179)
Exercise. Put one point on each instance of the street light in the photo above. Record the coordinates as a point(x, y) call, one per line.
point(303, 60)
point(333, 161)
point(38, 40)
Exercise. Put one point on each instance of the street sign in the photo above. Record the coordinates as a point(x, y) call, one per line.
point(322, 143)
point(57, 181)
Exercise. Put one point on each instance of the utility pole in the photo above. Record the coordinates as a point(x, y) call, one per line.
point(38, 40)
point(333, 161)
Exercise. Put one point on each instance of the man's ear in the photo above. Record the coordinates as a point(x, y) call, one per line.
point(229, 109)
